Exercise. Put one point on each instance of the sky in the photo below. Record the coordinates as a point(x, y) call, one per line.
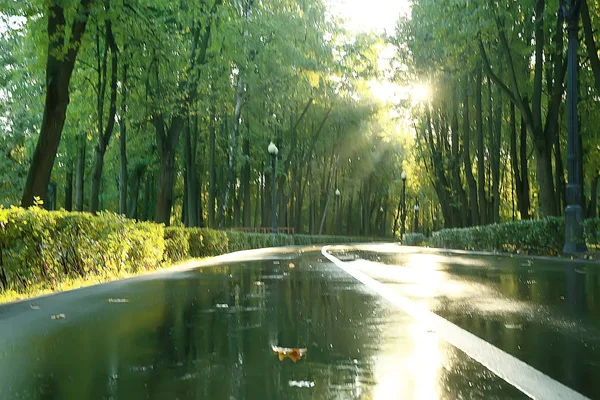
point(367, 15)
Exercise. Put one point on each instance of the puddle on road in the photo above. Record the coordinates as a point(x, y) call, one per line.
point(308, 332)
point(545, 313)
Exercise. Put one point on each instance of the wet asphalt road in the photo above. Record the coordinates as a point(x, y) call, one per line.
point(209, 333)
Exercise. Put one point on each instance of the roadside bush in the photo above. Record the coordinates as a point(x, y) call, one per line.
point(545, 236)
point(414, 239)
point(177, 244)
point(591, 228)
point(43, 247)
point(214, 242)
point(331, 239)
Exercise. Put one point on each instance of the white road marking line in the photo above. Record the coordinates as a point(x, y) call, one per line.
point(524, 377)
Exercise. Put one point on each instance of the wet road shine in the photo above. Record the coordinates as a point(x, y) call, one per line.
point(214, 333)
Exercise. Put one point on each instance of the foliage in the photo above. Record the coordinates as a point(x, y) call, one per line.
point(545, 236)
point(47, 248)
point(330, 239)
point(38, 246)
point(414, 239)
point(177, 244)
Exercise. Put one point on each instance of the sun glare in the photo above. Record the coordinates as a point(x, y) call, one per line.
point(419, 93)
point(374, 15)
point(386, 91)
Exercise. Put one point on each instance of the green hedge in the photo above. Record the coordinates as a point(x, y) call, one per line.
point(37, 246)
point(545, 236)
point(330, 239)
point(414, 239)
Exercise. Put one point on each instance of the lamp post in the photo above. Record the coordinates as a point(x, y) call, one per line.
point(403, 229)
point(273, 150)
point(574, 241)
point(416, 218)
point(338, 197)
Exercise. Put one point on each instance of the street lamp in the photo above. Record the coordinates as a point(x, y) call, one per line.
point(338, 196)
point(403, 229)
point(273, 150)
point(574, 240)
point(416, 218)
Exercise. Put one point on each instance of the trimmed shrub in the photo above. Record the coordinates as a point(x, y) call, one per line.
point(44, 247)
point(591, 228)
point(545, 236)
point(414, 239)
point(214, 242)
point(177, 244)
point(332, 239)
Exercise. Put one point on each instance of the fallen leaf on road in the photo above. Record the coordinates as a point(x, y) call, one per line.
point(293, 354)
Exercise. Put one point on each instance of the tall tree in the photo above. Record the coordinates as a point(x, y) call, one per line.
point(63, 47)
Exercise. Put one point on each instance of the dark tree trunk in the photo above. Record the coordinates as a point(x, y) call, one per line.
point(467, 163)
point(167, 147)
point(495, 157)
point(212, 190)
point(463, 207)
point(350, 224)
point(192, 193)
point(480, 152)
point(59, 68)
point(233, 140)
point(123, 147)
point(104, 135)
point(525, 203)
point(246, 181)
point(69, 187)
point(148, 197)
point(519, 164)
point(134, 189)
point(80, 171)
point(590, 43)
point(593, 204)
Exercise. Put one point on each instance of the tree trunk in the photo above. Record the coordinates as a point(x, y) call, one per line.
point(517, 171)
point(80, 171)
point(191, 175)
point(467, 163)
point(590, 43)
point(69, 187)
point(463, 207)
point(593, 204)
point(104, 135)
point(167, 147)
point(212, 190)
point(525, 203)
point(495, 158)
point(59, 68)
point(239, 100)
point(480, 151)
point(123, 147)
point(134, 189)
point(246, 181)
point(148, 197)
point(164, 200)
point(545, 177)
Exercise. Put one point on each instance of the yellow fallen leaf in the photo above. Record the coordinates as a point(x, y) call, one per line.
point(293, 354)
